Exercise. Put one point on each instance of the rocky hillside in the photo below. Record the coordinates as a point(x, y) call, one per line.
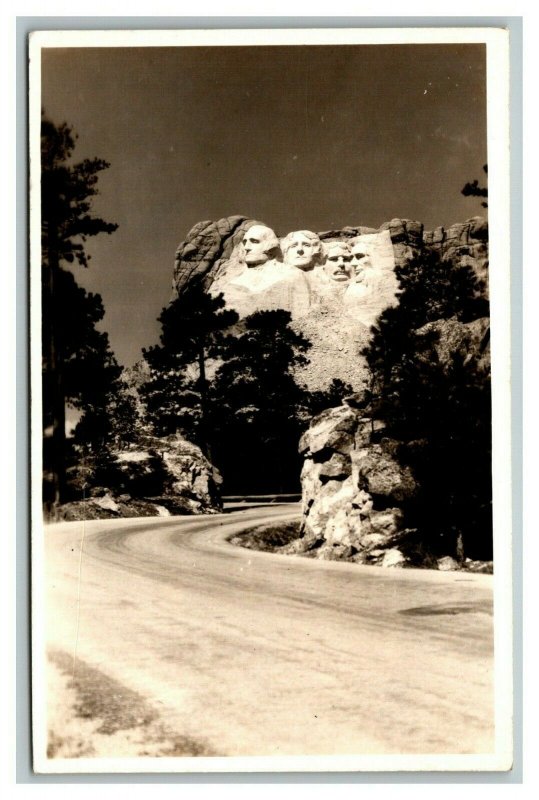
point(156, 476)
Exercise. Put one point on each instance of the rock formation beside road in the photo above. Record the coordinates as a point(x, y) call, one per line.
point(354, 491)
point(156, 476)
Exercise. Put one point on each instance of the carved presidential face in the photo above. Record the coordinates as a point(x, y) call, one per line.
point(361, 261)
point(337, 265)
point(258, 243)
point(301, 249)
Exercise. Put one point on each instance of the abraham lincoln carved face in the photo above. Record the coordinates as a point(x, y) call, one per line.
point(361, 260)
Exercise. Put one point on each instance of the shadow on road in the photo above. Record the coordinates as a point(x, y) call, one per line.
point(460, 608)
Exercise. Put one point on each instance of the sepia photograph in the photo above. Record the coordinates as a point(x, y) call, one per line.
point(271, 517)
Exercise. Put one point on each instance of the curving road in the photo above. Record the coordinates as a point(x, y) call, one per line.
point(262, 654)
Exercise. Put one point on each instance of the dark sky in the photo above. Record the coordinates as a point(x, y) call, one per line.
point(300, 137)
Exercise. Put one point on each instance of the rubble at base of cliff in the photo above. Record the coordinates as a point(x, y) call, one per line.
point(285, 539)
point(110, 506)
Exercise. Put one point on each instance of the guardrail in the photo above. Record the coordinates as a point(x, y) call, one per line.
point(262, 498)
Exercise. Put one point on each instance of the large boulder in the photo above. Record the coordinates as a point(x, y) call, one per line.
point(155, 476)
point(353, 489)
point(170, 467)
point(333, 431)
point(381, 475)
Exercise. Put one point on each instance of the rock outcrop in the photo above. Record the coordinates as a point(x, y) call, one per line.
point(469, 341)
point(175, 472)
point(354, 491)
point(206, 246)
point(463, 244)
point(156, 476)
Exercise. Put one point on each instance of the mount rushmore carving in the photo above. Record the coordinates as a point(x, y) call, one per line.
point(335, 284)
point(302, 274)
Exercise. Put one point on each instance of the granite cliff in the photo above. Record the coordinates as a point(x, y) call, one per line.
point(209, 244)
point(334, 283)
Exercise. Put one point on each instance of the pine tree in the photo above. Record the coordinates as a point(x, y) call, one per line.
point(437, 407)
point(333, 396)
point(474, 190)
point(170, 395)
point(67, 190)
point(194, 334)
point(258, 409)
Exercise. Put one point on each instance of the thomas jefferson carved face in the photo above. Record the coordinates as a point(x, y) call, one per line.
point(259, 242)
point(301, 249)
point(337, 265)
point(361, 260)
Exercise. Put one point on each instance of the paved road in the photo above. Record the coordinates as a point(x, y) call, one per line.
point(262, 654)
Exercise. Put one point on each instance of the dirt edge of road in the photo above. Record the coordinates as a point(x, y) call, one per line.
point(93, 716)
point(268, 538)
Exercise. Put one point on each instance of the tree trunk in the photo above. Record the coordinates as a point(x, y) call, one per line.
point(204, 436)
point(460, 548)
point(54, 366)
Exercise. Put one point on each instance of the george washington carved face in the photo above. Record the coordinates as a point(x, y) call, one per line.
point(301, 249)
point(258, 244)
point(338, 263)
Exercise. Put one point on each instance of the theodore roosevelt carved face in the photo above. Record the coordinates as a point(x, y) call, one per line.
point(301, 249)
point(338, 263)
point(258, 244)
point(361, 260)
